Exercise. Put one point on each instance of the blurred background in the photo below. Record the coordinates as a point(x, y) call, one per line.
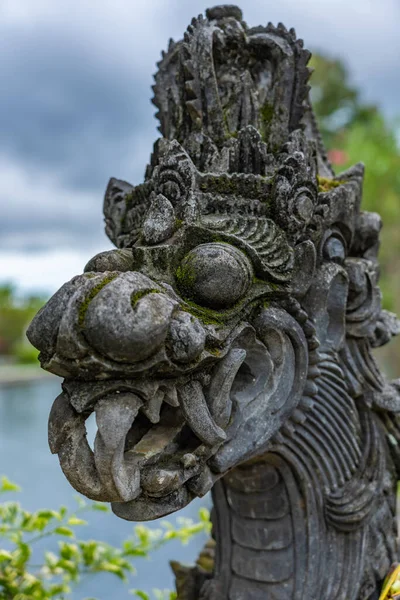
point(75, 110)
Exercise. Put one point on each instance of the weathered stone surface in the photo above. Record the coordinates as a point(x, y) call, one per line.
point(227, 342)
point(160, 221)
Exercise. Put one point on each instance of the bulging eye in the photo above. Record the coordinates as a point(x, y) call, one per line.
point(216, 275)
point(334, 249)
point(304, 206)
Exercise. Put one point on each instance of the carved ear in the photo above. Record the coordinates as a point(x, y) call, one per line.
point(268, 385)
point(326, 301)
point(304, 267)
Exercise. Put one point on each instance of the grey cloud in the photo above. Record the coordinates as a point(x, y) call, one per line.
point(77, 88)
point(64, 112)
point(54, 235)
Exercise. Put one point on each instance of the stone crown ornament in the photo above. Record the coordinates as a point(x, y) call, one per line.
point(226, 343)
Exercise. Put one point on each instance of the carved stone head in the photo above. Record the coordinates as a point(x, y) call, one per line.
point(244, 287)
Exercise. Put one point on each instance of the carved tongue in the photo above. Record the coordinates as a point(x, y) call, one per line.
point(114, 417)
point(152, 407)
point(197, 414)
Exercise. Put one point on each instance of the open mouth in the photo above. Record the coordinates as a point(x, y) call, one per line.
point(162, 442)
point(153, 439)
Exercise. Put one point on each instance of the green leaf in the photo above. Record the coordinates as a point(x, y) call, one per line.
point(89, 551)
point(64, 531)
point(76, 521)
point(204, 515)
point(8, 486)
point(4, 555)
point(48, 514)
point(99, 506)
point(69, 551)
point(140, 594)
point(70, 567)
point(21, 555)
point(162, 594)
point(58, 589)
point(80, 501)
point(110, 567)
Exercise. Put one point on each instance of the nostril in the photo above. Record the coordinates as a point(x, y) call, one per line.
point(128, 320)
point(42, 332)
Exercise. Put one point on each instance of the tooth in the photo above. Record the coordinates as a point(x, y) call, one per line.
point(219, 400)
point(63, 421)
point(67, 437)
point(171, 396)
point(152, 408)
point(197, 414)
point(126, 477)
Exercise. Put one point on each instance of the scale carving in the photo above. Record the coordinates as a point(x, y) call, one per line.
point(226, 344)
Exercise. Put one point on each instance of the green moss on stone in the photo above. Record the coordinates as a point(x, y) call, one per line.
point(93, 292)
point(207, 315)
point(186, 275)
point(214, 351)
point(128, 199)
point(257, 280)
point(266, 116)
point(325, 184)
point(140, 294)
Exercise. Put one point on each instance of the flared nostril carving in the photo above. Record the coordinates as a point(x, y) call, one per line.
point(129, 319)
point(42, 332)
point(122, 317)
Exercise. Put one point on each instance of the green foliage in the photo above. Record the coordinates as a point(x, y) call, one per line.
point(61, 570)
point(15, 315)
point(158, 595)
point(24, 353)
point(357, 132)
point(335, 100)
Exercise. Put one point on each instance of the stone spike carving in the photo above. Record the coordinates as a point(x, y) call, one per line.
point(226, 344)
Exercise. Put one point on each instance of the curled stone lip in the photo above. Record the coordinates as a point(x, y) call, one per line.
point(156, 436)
point(141, 425)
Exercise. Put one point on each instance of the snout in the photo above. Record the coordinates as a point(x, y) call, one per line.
point(100, 324)
point(128, 319)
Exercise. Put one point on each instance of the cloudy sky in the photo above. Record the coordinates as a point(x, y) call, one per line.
point(75, 107)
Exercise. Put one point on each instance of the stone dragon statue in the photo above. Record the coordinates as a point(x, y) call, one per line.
point(226, 343)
